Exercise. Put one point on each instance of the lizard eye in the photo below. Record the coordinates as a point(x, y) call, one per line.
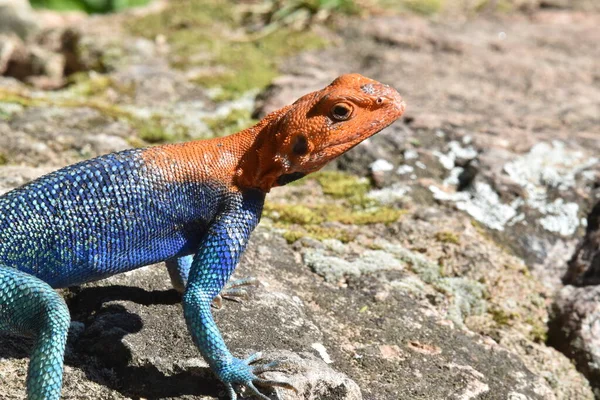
point(341, 111)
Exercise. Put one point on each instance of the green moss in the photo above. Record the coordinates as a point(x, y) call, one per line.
point(424, 7)
point(447, 237)
point(347, 205)
point(3, 159)
point(89, 85)
point(249, 65)
point(501, 5)
point(415, 142)
point(151, 130)
point(317, 232)
point(379, 215)
point(7, 96)
point(205, 33)
point(95, 85)
point(303, 215)
point(90, 6)
point(340, 185)
point(235, 121)
point(293, 214)
point(501, 317)
point(183, 15)
point(157, 129)
point(539, 330)
point(351, 188)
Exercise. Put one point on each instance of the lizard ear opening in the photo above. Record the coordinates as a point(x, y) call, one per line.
point(300, 146)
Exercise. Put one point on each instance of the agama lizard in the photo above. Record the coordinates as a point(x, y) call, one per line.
point(190, 204)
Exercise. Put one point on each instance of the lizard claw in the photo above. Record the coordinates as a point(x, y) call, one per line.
point(234, 291)
point(241, 372)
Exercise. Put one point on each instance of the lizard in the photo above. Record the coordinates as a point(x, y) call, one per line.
point(192, 204)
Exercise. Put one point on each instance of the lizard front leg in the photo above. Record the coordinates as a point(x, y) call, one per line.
point(179, 270)
point(212, 266)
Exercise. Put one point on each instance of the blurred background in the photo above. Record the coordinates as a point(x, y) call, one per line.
point(453, 255)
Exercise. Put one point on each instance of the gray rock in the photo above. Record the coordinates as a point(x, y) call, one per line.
point(575, 329)
point(584, 266)
point(431, 306)
point(530, 187)
point(16, 16)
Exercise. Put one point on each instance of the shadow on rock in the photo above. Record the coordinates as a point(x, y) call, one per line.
point(99, 346)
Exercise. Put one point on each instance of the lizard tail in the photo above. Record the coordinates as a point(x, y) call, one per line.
point(29, 306)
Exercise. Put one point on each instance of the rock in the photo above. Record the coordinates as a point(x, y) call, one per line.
point(135, 342)
point(493, 168)
point(13, 176)
point(530, 190)
point(60, 135)
point(16, 16)
point(575, 329)
point(584, 266)
point(47, 58)
point(30, 63)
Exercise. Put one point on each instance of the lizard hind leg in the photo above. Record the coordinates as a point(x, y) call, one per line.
point(29, 306)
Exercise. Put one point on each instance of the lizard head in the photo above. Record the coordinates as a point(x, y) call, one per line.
point(321, 126)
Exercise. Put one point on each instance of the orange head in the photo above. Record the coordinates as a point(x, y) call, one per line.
point(318, 127)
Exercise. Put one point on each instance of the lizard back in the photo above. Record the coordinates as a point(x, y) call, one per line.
point(104, 216)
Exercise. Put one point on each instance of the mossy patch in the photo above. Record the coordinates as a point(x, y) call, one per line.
point(447, 237)
point(350, 188)
point(88, 85)
point(424, 7)
point(435, 7)
point(319, 233)
point(348, 204)
point(157, 129)
point(89, 6)
point(340, 185)
point(539, 330)
point(205, 34)
point(502, 317)
point(288, 214)
point(95, 85)
point(153, 129)
point(293, 214)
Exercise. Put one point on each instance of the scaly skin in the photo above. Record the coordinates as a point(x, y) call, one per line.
point(192, 205)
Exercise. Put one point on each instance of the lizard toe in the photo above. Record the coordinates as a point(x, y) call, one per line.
point(241, 372)
point(236, 290)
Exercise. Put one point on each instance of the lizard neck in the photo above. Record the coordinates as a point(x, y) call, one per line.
point(260, 165)
point(246, 160)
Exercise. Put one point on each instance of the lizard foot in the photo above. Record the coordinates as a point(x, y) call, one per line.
point(234, 291)
point(242, 372)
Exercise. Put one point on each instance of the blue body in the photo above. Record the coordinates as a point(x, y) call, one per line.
point(110, 215)
point(102, 217)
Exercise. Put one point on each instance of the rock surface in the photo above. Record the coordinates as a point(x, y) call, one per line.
point(16, 16)
point(574, 327)
point(432, 278)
